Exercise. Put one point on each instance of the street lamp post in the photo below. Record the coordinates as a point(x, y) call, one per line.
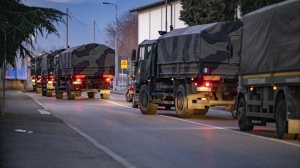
point(115, 83)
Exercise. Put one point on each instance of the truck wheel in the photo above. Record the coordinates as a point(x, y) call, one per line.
point(91, 94)
point(134, 105)
point(104, 96)
point(201, 111)
point(59, 96)
point(181, 103)
point(71, 97)
point(49, 94)
point(145, 106)
point(77, 94)
point(281, 122)
point(44, 92)
point(242, 116)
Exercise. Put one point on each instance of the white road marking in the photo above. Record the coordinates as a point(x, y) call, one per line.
point(94, 142)
point(117, 103)
point(101, 147)
point(226, 129)
point(45, 108)
point(221, 128)
point(43, 111)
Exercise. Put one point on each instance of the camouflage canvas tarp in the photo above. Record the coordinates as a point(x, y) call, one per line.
point(271, 39)
point(49, 57)
point(88, 59)
point(205, 42)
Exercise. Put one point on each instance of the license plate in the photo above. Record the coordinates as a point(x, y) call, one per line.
point(203, 88)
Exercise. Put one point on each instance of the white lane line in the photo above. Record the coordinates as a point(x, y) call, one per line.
point(45, 108)
point(43, 111)
point(95, 143)
point(101, 147)
point(117, 103)
point(221, 128)
point(226, 129)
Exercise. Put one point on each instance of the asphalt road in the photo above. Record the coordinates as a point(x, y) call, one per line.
point(164, 140)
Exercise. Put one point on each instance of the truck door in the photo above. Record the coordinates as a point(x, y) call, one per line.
point(144, 66)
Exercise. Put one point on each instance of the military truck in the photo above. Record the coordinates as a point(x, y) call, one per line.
point(36, 75)
point(85, 68)
point(48, 82)
point(269, 81)
point(187, 68)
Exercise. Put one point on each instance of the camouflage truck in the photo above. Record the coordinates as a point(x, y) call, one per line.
point(85, 68)
point(269, 81)
point(187, 68)
point(48, 82)
point(36, 76)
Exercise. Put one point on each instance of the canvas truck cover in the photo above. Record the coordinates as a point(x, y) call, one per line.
point(49, 57)
point(271, 39)
point(205, 42)
point(88, 59)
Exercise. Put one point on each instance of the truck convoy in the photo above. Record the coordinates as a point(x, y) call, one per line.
point(269, 81)
point(85, 68)
point(47, 68)
point(36, 69)
point(187, 68)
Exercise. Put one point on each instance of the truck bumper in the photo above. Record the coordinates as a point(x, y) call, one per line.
point(201, 104)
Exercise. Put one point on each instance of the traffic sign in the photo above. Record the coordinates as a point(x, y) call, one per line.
point(123, 64)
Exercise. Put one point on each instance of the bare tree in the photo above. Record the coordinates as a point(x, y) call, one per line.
point(127, 37)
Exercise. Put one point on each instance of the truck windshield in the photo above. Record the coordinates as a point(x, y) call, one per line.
point(145, 52)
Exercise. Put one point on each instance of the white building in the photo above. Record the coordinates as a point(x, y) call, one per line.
point(152, 18)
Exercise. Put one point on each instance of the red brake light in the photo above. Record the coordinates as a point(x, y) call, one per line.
point(207, 84)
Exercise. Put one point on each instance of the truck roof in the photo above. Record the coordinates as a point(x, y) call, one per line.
point(271, 38)
point(188, 30)
point(87, 58)
point(202, 42)
point(46, 58)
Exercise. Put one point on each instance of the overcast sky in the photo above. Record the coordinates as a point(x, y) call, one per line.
point(83, 13)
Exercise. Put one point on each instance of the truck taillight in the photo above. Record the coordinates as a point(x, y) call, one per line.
point(77, 81)
point(50, 81)
point(107, 79)
point(207, 84)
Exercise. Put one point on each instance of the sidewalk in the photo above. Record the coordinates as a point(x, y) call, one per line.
point(29, 139)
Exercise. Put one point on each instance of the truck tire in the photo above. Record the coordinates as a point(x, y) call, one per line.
point(181, 103)
point(44, 92)
point(59, 96)
point(105, 96)
point(134, 105)
point(49, 94)
point(146, 107)
point(71, 97)
point(242, 116)
point(91, 95)
point(77, 94)
point(281, 122)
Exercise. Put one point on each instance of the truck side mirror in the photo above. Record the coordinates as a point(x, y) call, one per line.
point(133, 57)
point(229, 50)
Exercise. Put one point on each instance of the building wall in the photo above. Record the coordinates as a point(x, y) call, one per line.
point(154, 19)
